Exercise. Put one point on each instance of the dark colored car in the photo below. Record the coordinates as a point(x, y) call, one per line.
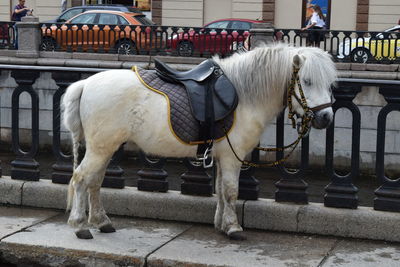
point(219, 36)
point(73, 11)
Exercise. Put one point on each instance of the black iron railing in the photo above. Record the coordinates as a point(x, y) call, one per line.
point(340, 192)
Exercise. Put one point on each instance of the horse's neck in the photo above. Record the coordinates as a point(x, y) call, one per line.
point(251, 93)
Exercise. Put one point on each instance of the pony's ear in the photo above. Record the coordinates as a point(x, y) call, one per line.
point(298, 60)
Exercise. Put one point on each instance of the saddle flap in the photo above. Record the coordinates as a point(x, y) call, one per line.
point(226, 99)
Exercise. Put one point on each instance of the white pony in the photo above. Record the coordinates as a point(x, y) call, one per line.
point(113, 107)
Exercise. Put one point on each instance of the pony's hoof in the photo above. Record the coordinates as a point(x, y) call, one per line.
point(108, 228)
point(83, 234)
point(239, 236)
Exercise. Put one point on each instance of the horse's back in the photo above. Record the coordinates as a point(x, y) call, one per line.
point(116, 107)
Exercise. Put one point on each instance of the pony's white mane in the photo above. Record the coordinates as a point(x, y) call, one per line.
point(266, 71)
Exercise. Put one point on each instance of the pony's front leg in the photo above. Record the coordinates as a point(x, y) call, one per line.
point(220, 201)
point(230, 170)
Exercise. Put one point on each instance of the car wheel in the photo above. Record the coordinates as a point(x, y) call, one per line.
point(48, 44)
point(126, 47)
point(360, 55)
point(185, 49)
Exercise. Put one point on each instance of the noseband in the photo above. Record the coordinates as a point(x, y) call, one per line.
point(303, 127)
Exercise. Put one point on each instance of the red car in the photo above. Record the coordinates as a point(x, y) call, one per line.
point(220, 36)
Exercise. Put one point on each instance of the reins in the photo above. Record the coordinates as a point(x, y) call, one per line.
point(303, 127)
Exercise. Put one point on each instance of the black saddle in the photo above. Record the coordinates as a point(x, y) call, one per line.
point(198, 74)
point(212, 96)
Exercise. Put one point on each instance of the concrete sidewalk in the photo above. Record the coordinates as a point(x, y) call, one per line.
point(41, 237)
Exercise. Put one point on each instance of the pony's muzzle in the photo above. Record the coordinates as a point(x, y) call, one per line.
point(322, 118)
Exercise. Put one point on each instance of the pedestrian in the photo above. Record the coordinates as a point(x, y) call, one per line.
point(316, 23)
point(20, 11)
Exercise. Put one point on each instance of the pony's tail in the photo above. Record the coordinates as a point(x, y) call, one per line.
point(72, 121)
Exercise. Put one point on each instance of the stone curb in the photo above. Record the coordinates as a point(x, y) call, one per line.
point(264, 214)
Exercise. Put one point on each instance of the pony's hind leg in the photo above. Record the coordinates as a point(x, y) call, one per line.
point(77, 217)
point(97, 214)
point(230, 170)
point(88, 178)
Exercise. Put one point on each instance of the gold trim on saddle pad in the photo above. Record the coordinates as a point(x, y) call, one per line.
point(151, 81)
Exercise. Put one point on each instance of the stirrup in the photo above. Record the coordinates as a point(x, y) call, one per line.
point(207, 155)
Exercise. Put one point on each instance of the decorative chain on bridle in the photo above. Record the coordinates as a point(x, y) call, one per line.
point(303, 127)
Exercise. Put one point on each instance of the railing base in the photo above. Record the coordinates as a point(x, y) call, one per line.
point(387, 199)
point(341, 196)
point(113, 178)
point(291, 190)
point(61, 177)
point(341, 201)
point(62, 172)
point(196, 181)
point(113, 182)
point(196, 189)
point(152, 185)
point(153, 180)
point(387, 204)
point(292, 197)
point(25, 169)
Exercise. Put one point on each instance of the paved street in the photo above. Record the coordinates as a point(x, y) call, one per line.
point(42, 237)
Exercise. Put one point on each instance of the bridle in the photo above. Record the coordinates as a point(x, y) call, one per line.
point(308, 116)
point(303, 127)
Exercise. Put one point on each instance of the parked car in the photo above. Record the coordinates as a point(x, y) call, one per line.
point(220, 36)
point(379, 46)
point(73, 11)
point(100, 29)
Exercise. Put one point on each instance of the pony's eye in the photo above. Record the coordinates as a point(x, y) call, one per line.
point(306, 82)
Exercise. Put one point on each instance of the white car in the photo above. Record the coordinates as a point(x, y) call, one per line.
point(384, 45)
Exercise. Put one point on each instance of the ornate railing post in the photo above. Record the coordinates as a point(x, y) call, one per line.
point(388, 194)
point(248, 184)
point(62, 169)
point(292, 187)
point(341, 193)
point(25, 167)
point(196, 181)
point(152, 176)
